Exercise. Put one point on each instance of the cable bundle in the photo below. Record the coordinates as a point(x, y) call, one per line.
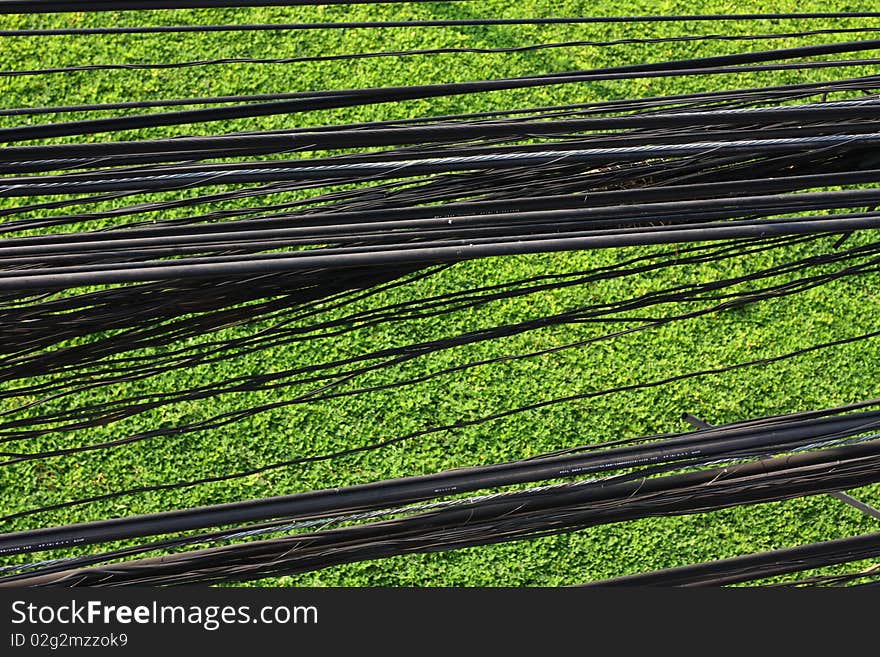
point(500, 517)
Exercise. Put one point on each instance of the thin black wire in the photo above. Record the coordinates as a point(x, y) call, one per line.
point(470, 22)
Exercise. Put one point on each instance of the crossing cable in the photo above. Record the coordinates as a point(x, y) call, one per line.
point(468, 22)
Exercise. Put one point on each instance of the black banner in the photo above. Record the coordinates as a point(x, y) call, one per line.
point(408, 621)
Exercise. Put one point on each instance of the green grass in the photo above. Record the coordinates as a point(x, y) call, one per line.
point(827, 378)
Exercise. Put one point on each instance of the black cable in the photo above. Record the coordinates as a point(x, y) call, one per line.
point(318, 100)
point(428, 51)
point(352, 25)
point(713, 442)
point(457, 425)
point(512, 517)
point(60, 6)
point(420, 135)
point(761, 565)
point(431, 252)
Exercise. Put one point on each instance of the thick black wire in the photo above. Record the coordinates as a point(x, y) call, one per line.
point(429, 252)
point(424, 134)
point(713, 443)
point(750, 567)
point(513, 517)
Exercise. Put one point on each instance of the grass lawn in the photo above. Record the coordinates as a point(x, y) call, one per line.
point(821, 379)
